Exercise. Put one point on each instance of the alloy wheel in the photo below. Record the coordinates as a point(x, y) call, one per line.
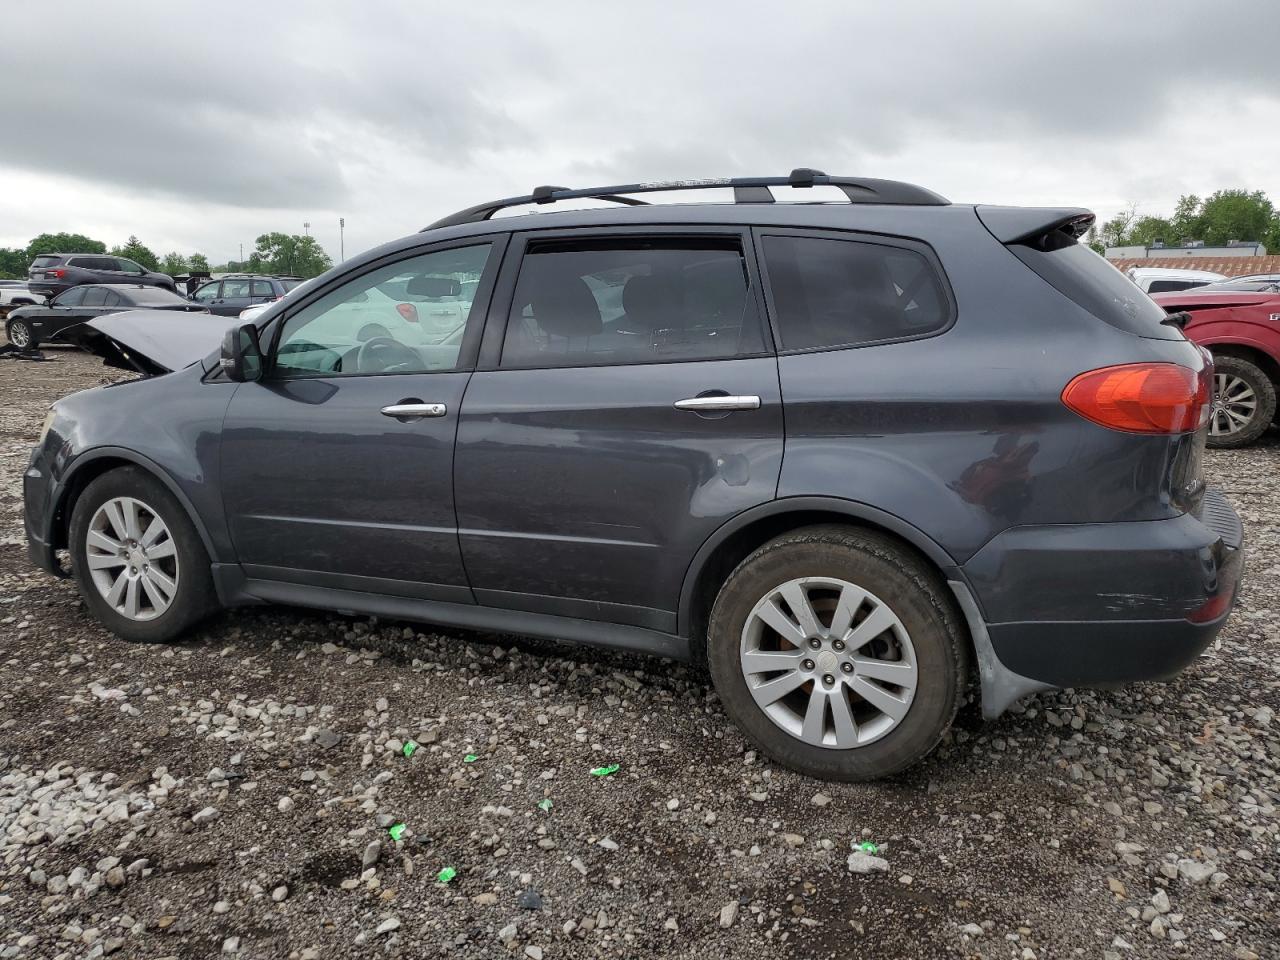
point(1234, 405)
point(828, 662)
point(132, 558)
point(19, 335)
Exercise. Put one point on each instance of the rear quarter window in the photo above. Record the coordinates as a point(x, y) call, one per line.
point(1089, 281)
point(830, 293)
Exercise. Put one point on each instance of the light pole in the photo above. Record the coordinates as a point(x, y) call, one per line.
point(342, 248)
point(306, 228)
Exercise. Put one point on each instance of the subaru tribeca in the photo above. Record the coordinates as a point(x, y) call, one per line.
point(852, 455)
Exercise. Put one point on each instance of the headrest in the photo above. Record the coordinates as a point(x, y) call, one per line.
point(562, 303)
point(652, 303)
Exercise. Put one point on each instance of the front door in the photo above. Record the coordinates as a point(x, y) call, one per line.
point(630, 407)
point(338, 465)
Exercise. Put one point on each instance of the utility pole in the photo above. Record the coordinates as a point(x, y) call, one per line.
point(306, 228)
point(240, 265)
point(342, 248)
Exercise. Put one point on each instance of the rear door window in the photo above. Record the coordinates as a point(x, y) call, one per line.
point(262, 288)
point(95, 297)
point(634, 300)
point(235, 289)
point(830, 293)
point(113, 299)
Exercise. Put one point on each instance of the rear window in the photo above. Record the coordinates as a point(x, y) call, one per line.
point(148, 295)
point(39, 262)
point(1086, 279)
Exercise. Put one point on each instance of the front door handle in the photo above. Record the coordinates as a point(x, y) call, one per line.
point(718, 404)
point(414, 410)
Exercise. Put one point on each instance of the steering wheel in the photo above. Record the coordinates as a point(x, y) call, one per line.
point(384, 354)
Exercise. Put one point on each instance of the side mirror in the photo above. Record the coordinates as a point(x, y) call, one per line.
point(241, 355)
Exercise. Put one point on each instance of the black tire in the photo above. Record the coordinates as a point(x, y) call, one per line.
point(1265, 411)
point(914, 592)
point(17, 330)
point(195, 597)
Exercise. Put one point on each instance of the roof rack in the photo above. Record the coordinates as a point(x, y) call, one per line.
point(745, 190)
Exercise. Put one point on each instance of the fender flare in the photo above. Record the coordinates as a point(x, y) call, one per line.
point(147, 464)
point(852, 509)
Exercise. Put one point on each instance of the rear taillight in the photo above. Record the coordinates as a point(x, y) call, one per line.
point(1214, 607)
point(1143, 397)
point(55, 273)
point(408, 311)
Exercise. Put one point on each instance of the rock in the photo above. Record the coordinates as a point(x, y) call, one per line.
point(327, 739)
point(529, 900)
point(1196, 871)
point(222, 906)
point(1161, 901)
point(579, 866)
point(371, 854)
point(231, 945)
point(972, 929)
point(115, 878)
point(507, 935)
point(793, 840)
point(607, 844)
point(1116, 886)
point(285, 804)
point(861, 862)
point(387, 926)
point(673, 804)
point(728, 914)
point(533, 953)
point(671, 924)
point(820, 800)
point(487, 899)
point(207, 815)
point(280, 893)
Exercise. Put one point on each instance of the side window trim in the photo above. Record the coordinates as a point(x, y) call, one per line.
point(495, 328)
point(479, 310)
point(904, 243)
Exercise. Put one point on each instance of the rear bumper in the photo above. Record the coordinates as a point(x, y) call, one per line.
point(1103, 604)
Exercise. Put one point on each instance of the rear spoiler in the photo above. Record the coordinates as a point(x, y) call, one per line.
point(1012, 225)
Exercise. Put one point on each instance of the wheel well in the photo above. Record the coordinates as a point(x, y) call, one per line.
point(1260, 359)
point(741, 543)
point(75, 486)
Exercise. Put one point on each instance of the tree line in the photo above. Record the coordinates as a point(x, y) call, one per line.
point(274, 253)
point(1217, 220)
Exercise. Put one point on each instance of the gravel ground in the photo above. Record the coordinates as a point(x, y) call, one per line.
point(232, 795)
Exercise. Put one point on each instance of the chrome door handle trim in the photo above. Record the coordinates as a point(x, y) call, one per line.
point(414, 411)
point(704, 404)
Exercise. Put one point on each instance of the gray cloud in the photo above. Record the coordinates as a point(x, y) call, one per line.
point(204, 127)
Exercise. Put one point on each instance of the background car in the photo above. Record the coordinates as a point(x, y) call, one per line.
point(52, 273)
point(1164, 279)
point(28, 327)
point(1258, 283)
point(16, 293)
point(229, 295)
point(1241, 328)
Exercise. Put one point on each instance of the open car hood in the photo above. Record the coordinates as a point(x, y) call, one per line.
point(150, 341)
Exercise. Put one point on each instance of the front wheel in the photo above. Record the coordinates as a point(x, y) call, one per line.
point(20, 335)
point(138, 560)
point(838, 653)
point(1244, 402)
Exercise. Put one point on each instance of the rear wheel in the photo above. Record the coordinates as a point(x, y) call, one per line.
point(138, 559)
point(20, 335)
point(837, 652)
point(1244, 402)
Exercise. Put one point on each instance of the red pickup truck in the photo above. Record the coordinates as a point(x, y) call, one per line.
point(1241, 328)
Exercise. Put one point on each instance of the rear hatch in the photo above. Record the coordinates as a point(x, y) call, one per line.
point(1047, 241)
point(41, 265)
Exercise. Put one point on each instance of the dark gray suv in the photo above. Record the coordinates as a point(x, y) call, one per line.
point(52, 273)
point(854, 456)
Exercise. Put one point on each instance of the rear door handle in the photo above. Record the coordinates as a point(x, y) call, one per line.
point(414, 410)
point(718, 403)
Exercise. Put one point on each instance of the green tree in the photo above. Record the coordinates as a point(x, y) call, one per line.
point(13, 263)
point(63, 243)
point(198, 262)
point(174, 263)
point(1236, 215)
point(299, 256)
point(134, 250)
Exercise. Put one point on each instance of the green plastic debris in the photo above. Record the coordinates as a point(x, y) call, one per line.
point(608, 771)
point(545, 805)
point(445, 875)
point(410, 748)
point(396, 830)
point(470, 758)
point(866, 846)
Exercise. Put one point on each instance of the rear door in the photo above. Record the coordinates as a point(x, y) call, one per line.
point(626, 406)
point(235, 297)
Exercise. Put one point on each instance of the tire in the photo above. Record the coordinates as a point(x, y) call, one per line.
point(184, 562)
point(1244, 380)
point(20, 335)
point(826, 560)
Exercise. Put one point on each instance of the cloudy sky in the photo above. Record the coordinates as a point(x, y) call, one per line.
point(200, 127)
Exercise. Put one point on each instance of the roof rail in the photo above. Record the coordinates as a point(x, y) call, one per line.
point(745, 190)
